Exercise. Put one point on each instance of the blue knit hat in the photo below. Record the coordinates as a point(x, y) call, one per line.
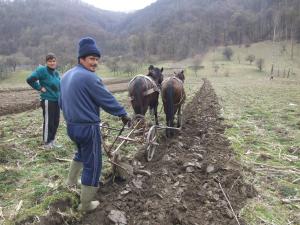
point(87, 46)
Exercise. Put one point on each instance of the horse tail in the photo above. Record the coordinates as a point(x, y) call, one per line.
point(169, 97)
point(137, 95)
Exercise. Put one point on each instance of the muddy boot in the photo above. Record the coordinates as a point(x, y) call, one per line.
point(74, 173)
point(87, 195)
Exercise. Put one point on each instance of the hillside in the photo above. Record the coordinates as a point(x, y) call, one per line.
point(31, 28)
point(166, 29)
point(177, 29)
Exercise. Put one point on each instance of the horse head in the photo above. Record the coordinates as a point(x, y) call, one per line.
point(156, 74)
point(180, 76)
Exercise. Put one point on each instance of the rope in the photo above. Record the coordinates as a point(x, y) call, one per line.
point(112, 128)
point(229, 203)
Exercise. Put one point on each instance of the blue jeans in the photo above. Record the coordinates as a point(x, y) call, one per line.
point(87, 138)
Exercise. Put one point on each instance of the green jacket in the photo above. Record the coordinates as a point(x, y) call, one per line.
point(47, 78)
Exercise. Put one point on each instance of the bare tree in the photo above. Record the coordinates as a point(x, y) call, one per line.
point(196, 64)
point(128, 68)
point(292, 42)
point(3, 70)
point(12, 62)
point(275, 24)
point(228, 53)
point(260, 64)
point(250, 58)
point(113, 65)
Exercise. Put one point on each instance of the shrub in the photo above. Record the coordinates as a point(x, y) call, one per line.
point(250, 58)
point(228, 53)
point(260, 64)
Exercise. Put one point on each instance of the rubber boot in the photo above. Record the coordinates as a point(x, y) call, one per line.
point(55, 144)
point(87, 195)
point(74, 173)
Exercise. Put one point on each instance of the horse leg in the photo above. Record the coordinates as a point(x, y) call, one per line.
point(168, 131)
point(155, 114)
point(151, 111)
point(153, 104)
point(179, 117)
point(172, 125)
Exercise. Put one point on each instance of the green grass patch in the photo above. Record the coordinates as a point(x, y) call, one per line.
point(18, 78)
point(15, 79)
point(29, 214)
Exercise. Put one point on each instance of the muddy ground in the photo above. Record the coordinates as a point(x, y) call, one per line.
point(15, 101)
point(23, 99)
point(183, 183)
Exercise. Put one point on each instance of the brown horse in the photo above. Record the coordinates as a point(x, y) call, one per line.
point(144, 91)
point(173, 96)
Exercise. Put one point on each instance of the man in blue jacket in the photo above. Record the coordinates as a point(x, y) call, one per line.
point(46, 80)
point(82, 94)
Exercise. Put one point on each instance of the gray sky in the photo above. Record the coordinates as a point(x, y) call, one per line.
point(120, 5)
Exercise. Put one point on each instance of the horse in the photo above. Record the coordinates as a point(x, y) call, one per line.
point(173, 96)
point(144, 91)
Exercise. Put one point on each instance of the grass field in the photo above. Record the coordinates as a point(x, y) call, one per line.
point(264, 120)
point(15, 79)
point(18, 78)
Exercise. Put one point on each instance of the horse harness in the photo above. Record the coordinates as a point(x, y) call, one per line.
point(182, 90)
point(151, 88)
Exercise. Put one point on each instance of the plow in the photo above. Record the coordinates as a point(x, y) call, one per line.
point(140, 133)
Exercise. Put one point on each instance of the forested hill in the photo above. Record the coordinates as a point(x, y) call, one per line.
point(167, 29)
point(31, 28)
point(179, 28)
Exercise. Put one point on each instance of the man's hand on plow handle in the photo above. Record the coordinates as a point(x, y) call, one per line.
point(126, 120)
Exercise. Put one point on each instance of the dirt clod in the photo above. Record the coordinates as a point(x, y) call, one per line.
point(118, 217)
point(210, 169)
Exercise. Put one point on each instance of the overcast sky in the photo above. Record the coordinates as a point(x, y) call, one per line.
point(120, 5)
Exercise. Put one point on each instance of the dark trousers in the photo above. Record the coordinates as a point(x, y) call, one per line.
point(51, 120)
point(88, 141)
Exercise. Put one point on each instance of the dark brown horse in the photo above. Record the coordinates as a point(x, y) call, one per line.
point(173, 96)
point(144, 91)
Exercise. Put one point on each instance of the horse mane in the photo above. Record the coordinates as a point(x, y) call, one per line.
point(156, 74)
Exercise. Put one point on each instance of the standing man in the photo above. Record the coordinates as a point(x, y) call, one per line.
point(82, 94)
point(46, 80)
